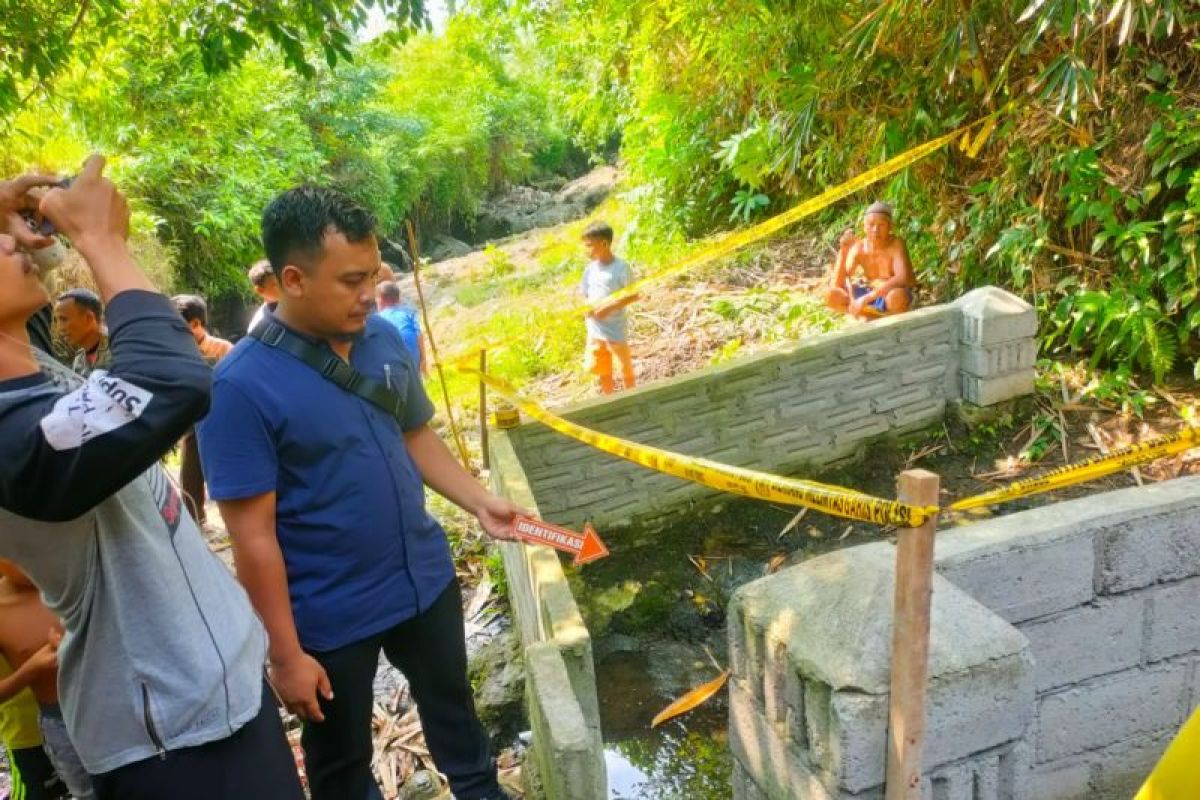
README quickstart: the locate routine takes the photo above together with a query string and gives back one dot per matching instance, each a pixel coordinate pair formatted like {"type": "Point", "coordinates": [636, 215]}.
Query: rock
{"type": "Point", "coordinates": [443, 247]}
{"type": "Point", "coordinates": [616, 643]}
{"type": "Point", "coordinates": [589, 191]}
{"type": "Point", "coordinates": [685, 624]}
{"type": "Point", "coordinates": [421, 785]}
{"type": "Point", "coordinates": [498, 673]}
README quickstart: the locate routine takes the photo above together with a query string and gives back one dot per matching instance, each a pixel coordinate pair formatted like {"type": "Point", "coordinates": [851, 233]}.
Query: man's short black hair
{"type": "Point", "coordinates": [191, 307]}
{"type": "Point", "coordinates": [85, 298]}
{"type": "Point", "coordinates": [389, 291]}
{"type": "Point", "coordinates": [599, 230]}
{"type": "Point", "coordinates": [259, 272]}
{"type": "Point", "coordinates": [295, 223]}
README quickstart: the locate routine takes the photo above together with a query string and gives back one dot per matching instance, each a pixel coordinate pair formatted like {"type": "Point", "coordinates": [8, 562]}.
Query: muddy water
{"type": "Point", "coordinates": [656, 611]}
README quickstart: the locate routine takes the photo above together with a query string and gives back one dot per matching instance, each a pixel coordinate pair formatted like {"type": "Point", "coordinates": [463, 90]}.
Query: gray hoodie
{"type": "Point", "coordinates": [162, 649]}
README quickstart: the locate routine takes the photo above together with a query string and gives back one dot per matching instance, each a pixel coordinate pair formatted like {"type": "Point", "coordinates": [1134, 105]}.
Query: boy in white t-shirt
{"type": "Point", "coordinates": [607, 325]}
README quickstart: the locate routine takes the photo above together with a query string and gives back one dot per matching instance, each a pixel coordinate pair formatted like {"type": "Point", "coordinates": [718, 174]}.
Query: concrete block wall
{"type": "Point", "coordinates": [560, 684]}
{"type": "Point", "coordinates": [811, 403]}
{"type": "Point", "coordinates": [1106, 589]}
{"type": "Point", "coordinates": [810, 657]}
{"type": "Point", "coordinates": [1064, 656]}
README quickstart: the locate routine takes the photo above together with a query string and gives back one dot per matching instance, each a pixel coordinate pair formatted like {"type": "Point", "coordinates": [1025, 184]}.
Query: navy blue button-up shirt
{"type": "Point", "coordinates": [361, 551]}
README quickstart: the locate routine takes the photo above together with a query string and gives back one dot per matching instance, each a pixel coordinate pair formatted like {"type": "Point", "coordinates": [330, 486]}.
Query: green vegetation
{"type": "Point", "coordinates": [1084, 197]}
{"type": "Point", "coordinates": [202, 141]}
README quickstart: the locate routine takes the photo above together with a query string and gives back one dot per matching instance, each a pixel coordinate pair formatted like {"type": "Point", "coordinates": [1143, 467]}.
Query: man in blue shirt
{"type": "Point", "coordinates": [339, 556]}
{"type": "Point", "coordinates": [403, 318]}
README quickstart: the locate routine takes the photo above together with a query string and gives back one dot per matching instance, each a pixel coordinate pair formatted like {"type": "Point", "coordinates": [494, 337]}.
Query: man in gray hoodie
{"type": "Point", "coordinates": [161, 667]}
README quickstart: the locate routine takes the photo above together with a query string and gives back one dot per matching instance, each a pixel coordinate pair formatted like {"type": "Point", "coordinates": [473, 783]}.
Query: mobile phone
{"type": "Point", "coordinates": [45, 227]}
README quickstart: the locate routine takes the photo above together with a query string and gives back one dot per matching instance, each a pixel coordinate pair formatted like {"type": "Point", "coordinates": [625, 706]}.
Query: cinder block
{"type": "Point", "coordinates": [847, 414]}
{"type": "Point", "coordinates": [903, 397]}
{"type": "Point", "coordinates": [896, 360]}
{"type": "Point", "coordinates": [915, 416]}
{"type": "Point", "coordinates": [1068, 779]}
{"type": "Point", "coordinates": [1149, 550]}
{"type": "Point", "coordinates": [744, 787]}
{"type": "Point", "coordinates": [933, 373]}
{"type": "Point", "coordinates": [1122, 768]}
{"type": "Point", "coordinates": [938, 350]}
{"type": "Point", "coordinates": [835, 377]}
{"type": "Point", "coordinates": [992, 390]}
{"type": "Point", "coordinates": [869, 388]}
{"type": "Point", "coordinates": [1026, 578]}
{"type": "Point", "coordinates": [783, 694]}
{"type": "Point", "coordinates": [934, 322]}
{"type": "Point", "coordinates": [987, 705]}
{"type": "Point", "coordinates": [773, 394]}
{"type": "Point", "coordinates": [1085, 642]}
{"type": "Point", "coordinates": [802, 408]}
{"type": "Point", "coordinates": [991, 315]}
{"type": "Point", "coordinates": [1107, 710]}
{"type": "Point", "coordinates": [999, 359]}
{"type": "Point", "coordinates": [1174, 620]}
{"type": "Point", "coordinates": [861, 430]}
{"type": "Point", "coordinates": [858, 739]}
{"type": "Point", "coordinates": [866, 343]}
{"type": "Point", "coordinates": [779, 771]}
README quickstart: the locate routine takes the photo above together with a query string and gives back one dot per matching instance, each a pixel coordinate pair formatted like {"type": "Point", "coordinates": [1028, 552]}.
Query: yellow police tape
{"type": "Point", "coordinates": [830, 499]}
{"type": "Point", "coordinates": [755, 233]}
{"type": "Point", "coordinates": [836, 500]}
{"type": "Point", "coordinates": [1176, 776]}
{"type": "Point", "coordinates": [1088, 470]}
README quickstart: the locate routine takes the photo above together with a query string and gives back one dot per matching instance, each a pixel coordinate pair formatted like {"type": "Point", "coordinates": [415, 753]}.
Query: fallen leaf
{"type": "Point", "coordinates": [815, 532]}
{"type": "Point", "coordinates": [690, 700]}
{"type": "Point", "coordinates": [775, 563]}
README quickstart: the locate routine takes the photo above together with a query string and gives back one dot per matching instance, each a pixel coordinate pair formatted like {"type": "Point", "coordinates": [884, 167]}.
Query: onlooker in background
{"type": "Point", "coordinates": [266, 286]}
{"type": "Point", "coordinates": [212, 349]}
{"type": "Point", "coordinates": [80, 316]}
{"type": "Point", "coordinates": [194, 311]}
{"type": "Point", "coordinates": [32, 775]}
{"type": "Point", "coordinates": [403, 317]}
{"type": "Point", "coordinates": [31, 634]}
{"type": "Point", "coordinates": [160, 676]}
{"type": "Point", "coordinates": [607, 326]}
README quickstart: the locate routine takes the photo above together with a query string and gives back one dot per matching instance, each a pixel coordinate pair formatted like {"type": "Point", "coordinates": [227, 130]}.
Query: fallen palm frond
{"type": "Point", "coordinates": [691, 700]}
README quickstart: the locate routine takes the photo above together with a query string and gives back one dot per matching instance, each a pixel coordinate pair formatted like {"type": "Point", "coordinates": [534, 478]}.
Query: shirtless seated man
{"type": "Point", "coordinates": [873, 275]}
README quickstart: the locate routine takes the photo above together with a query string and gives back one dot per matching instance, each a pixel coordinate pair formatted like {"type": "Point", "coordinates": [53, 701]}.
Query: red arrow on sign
{"type": "Point", "coordinates": [586, 546]}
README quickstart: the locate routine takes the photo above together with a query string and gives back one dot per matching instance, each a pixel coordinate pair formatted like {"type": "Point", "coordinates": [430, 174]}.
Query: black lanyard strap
{"type": "Point", "coordinates": [332, 368]}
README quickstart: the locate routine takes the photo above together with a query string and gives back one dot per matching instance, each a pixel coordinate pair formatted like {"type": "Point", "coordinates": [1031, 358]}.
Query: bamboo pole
{"type": "Point", "coordinates": [910, 640]}
{"type": "Point", "coordinates": [437, 362]}
{"type": "Point", "coordinates": [483, 412]}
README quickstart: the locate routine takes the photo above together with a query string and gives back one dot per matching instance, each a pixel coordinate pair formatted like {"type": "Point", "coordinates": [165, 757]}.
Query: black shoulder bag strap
{"type": "Point", "coordinates": [330, 367]}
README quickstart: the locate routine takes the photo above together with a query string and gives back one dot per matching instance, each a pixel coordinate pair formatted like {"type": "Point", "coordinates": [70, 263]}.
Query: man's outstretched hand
{"type": "Point", "coordinates": [496, 516]}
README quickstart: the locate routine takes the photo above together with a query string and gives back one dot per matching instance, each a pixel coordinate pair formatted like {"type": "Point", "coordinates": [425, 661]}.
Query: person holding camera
{"type": "Point", "coordinates": [161, 681]}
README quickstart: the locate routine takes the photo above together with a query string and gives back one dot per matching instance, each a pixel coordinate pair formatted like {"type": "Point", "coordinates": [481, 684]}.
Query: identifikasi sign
{"type": "Point", "coordinates": [584, 546]}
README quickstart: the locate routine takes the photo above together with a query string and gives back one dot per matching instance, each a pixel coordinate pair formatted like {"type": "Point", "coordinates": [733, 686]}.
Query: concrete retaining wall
{"type": "Point", "coordinates": [812, 403]}
{"type": "Point", "coordinates": [1065, 654]}
{"type": "Point", "coordinates": [560, 685]}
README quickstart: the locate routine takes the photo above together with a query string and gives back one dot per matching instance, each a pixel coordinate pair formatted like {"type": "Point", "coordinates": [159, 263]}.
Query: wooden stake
{"type": "Point", "coordinates": [910, 640]}
{"type": "Point", "coordinates": [483, 412]}
{"type": "Point", "coordinates": [437, 362]}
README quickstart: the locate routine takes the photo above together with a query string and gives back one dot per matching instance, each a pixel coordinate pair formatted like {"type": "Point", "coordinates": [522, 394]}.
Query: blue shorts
{"type": "Point", "coordinates": [879, 303]}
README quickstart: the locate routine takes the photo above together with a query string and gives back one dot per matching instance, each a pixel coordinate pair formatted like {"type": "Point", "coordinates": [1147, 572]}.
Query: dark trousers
{"type": "Point", "coordinates": [33, 776]}
{"type": "Point", "coordinates": [191, 476]}
{"type": "Point", "coordinates": [430, 649]}
{"type": "Point", "coordinates": [255, 763]}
